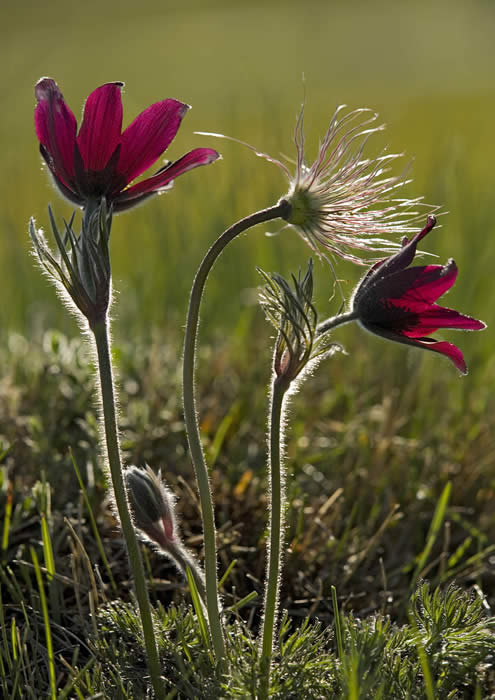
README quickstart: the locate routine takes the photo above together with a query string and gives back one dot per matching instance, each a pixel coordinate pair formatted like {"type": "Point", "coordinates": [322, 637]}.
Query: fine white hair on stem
{"type": "Point", "coordinates": [281, 428]}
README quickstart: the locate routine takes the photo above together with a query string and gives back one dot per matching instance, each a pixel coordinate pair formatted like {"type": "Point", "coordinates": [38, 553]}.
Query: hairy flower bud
{"type": "Point", "coordinates": [152, 505]}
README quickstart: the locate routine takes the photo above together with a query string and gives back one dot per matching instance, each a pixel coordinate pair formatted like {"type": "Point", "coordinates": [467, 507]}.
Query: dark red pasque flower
{"type": "Point", "coordinates": [101, 160]}
{"type": "Point", "coordinates": [398, 302]}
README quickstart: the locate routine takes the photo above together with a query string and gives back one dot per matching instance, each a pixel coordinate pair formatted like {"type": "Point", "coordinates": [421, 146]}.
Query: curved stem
{"type": "Point", "coordinates": [272, 586]}
{"type": "Point", "coordinates": [101, 335]}
{"type": "Point", "coordinates": [190, 417]}
{"type": "Point", "coordinates": [335, 321]}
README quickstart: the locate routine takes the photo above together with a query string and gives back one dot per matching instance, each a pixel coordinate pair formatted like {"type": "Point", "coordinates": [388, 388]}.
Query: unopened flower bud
{"type": "Point", "coordinates": [152, 505]}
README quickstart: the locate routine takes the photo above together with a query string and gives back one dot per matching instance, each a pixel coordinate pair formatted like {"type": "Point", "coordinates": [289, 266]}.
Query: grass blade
{"type": "Point", "coordinates": [46, 620]}
{"type": "Point", "coordinates": [436, 524]}
{"type": "Point", "coordinates": [338, 626]}
{"type": "Point", "coordinates": [198, 608]}
{"type": "Point", "coordinates": [94, 526]}
{"type": "Point", "coordinates": [47, 549]}
{"type": "Point", "coordinates": [227, 573]}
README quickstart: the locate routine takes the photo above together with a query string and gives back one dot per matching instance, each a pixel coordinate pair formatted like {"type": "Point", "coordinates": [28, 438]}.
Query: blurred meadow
{"type": "Point", "coordinates": [383, 431]}
{"type": "Point", "coordinates": [427, 68]}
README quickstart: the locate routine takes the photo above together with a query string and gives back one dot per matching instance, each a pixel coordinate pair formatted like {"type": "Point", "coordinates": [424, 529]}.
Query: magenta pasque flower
{"type": "Point", "coordinates": [100, 160]}
{"type": "Point", "coordinates": [398, 302]}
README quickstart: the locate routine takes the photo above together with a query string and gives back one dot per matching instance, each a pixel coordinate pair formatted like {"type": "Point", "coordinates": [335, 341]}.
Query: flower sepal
{"type": "Point", "coordinates": [81, 270]}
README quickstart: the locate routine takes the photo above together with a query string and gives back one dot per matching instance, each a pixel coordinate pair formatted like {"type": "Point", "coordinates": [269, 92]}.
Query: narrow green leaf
{"type": "Point", "coordinates": [46, 620]}
{"type": "Point", "coordinates": [221, 433]}
{"type": "Point", "coordinates": [94, 526]}
{"type": "Point", "coordinates": [13, 637]}
{"type": "Point", "coordinates": [47, 549]}
{"type": "Point", "coordinates": [227, 573]}
{"type": "Point", "coordinates": [7, 519]}
{"type": "Point", "coordinates": [3, 630]}
{"type": "Point", "coordinates": [436, 524]}
{"type": "Point", "coordinates": [338, 626]}
{"type": "Point", "coordinates": [425, 667]}
{"type": "Point", "coordinates": [198, 608]}
{"type": "Point", "coordinates": [242, 602]}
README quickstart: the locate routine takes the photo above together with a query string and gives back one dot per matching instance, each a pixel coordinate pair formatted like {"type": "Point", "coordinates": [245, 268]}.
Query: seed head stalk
{"type": "Point", "coordinates": [101, 334]}
{"type": "Point", "coordinates": [190, 415]}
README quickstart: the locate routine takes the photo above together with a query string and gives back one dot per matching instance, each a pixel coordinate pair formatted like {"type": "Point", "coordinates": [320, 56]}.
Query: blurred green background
{"type": "Point", "coordinates": [426, 67]}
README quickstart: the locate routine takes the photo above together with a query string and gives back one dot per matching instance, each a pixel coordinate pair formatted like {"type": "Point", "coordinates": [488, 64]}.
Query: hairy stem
{"type": "Point", "coordinates": [335, 321]}
{"type": "Point", "coordinates": [190, 416]}
{"type": "Point", "coordinates": [276, 528]}
{"type": "Point", "coordinates": [184, 559]}
{"type": "Point", "coordinates": [101, 335]}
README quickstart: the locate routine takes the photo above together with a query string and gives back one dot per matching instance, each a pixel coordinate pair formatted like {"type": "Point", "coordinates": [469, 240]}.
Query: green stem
{"type": "Point", "coordinates": [276, 527]}
{"type": "Point", "coordinates": [101, 334]}
{"type": "Point", "coordinates": [335, 321]}
{"type": "Point", "coordinates": [190, 415]}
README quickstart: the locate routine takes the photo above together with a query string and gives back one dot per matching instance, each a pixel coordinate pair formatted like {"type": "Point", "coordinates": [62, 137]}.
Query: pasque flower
{"type": "Point", "coordinates": [344, 201]}
{"type": "Point", "coordinates": [101, 160]}
{"type": "Point", "coordinates": [398, 302]}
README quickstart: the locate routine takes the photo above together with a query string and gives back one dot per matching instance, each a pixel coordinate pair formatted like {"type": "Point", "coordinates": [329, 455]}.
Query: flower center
{"type": "Point", "coordinates": [305, 208]}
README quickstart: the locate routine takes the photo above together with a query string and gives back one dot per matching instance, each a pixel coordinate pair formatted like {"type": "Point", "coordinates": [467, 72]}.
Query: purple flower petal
{"type": "Point", "coordinates": [415, 288]}
{"type": "Point", "coordinates": [406, 254]}
{"type": "Point", "coordinates": [442, 347]}
{"type": "Point", "coordinates": [65, 191]}
{"type": "Point", "coordinates": [440, 317]}
{"type": "Point", "coordinates": [102, 162]}
{"type": "Point", "coordinates": [431, 282]}
{"type": "Point", "coordinates": [379, 273]}
{"type": "Point", "coordinates": [101, 127]}
{"type": "Point", "coordinates": [56, 128]}
{"type": "Point", "coordinates": [397, 302]}
{"type": "Point", "coordinates": [448, 349]}
{"type": "Point", "coordinates": [193, 159]}
{"type": "Point", "coordinates": [149, 135]}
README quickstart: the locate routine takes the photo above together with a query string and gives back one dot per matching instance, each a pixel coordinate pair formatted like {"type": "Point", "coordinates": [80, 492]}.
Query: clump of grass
{"type": "Point", "coordinates": [352, 518]}
{"type": "Point", "coordinates": [378, 659]}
